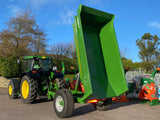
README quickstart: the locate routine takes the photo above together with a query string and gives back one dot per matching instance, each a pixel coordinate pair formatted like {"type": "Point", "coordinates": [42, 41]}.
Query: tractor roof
{"type": "Point", "coordinates": [41, 57]}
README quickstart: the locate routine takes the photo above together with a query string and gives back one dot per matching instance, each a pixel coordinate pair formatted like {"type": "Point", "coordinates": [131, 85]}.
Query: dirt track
{"type": "Point", "coordinates": [14, 109]}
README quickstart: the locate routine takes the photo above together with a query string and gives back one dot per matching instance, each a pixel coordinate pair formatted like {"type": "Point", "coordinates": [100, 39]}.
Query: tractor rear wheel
{"type": "Point", "coordinates": [103, 105]}
{"type": "Point", "coordinates": [13, 88]}
{"type": "Point", "coordinates": [28, 90]}
{"type": "Point", "coordinates": [60, 82]}
{"type": "Point", "coordinates": [63, 103]}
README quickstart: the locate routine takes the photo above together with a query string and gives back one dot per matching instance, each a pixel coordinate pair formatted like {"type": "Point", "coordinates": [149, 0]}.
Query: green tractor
{"type": "Point", "coordinates": [101, 75]}
{"type": "Point", "coordinates": [37, 78]}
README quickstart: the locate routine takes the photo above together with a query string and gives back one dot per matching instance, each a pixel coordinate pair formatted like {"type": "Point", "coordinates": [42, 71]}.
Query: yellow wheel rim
{"type": "Point", "coordinates": [10, 89]}
{"type": "Point", "coordinates": [25, 89]}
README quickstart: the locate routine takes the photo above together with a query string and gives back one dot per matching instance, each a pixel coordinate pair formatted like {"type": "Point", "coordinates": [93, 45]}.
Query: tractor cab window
{"type": "Point", "coordinates": [27, 65]}
{"type": "Point", "coordinates": [45, 64]}
{"type": "Point", "coordinates": [37, 63]}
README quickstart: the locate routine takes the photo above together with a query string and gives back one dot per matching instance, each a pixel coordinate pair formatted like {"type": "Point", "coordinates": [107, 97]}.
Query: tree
{"type": "Point", "coordinates": [127, 63]}
{"type": "Point", "coordinates": [137, 65]}
{"type": "Point", "coordinates": [22, 36]}
{"type": "Point", "coordinates": [39, 42]}
{"type": "Point", "coordinates": [62, 50]}
{"type": "Point", "coordinates": [73, 50]}
{"type": "Point", "coordinates": [156, 61]}
{"type": "Point", "coordinates": [148, 45]}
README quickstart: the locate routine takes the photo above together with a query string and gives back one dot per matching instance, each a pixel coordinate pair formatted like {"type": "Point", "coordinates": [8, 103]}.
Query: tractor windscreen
{"type": "Point", "coordinates": [45, 64]}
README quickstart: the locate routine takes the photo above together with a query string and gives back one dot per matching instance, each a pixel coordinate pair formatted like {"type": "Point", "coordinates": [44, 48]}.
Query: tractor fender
{"type": "Point", "coordinates": [31, 75]}
{"type": "Point", "coordinates": [58, 75]}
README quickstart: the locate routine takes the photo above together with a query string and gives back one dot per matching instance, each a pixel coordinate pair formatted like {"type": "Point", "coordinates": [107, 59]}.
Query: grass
{"type": "Point", "coordinates": [70, 76]}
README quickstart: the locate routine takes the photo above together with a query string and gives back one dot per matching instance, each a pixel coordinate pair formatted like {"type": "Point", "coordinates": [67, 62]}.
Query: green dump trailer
{"type": "Point", "coordinates": [100, 67]}
{"type": "Point", "coordinates": [101, 75]}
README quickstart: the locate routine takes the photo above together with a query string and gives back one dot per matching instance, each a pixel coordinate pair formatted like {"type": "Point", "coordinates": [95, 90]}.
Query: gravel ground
{"type": "Point", "coordinates": [14, 109]}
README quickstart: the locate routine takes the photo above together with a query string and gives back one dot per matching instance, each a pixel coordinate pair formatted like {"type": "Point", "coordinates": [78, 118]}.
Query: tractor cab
{"type": "Point", "coordinates": [40, 63]}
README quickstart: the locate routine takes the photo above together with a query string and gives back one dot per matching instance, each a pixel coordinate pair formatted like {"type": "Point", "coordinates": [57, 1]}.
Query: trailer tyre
{"type": "Point", "coordinates": [29, 89]}
{"type": "Point", "coordinates": [13, 88]}
{"type": "Point", "coordinates": [63, 103]}
{"type": "Point", "coordinates": [104, 105]}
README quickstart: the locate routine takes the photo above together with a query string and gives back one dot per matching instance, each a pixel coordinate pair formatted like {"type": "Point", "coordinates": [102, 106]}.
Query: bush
{"type": "Point", "coordinates": [69, 62]}
{"type": "Point", "coordinates": [9, 67]}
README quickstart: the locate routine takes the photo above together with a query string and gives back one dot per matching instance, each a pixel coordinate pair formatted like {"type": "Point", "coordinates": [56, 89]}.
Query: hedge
{"type": "Point", "coordinates": [9, 67]}
{"type": "Point", "coordinates": [67, 63]}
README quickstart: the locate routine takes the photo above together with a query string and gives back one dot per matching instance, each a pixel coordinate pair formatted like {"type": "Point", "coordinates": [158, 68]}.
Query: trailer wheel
{"type": "Point", "coordinates": [28, 90]}
{"type": "Point", "coordinates": [63, 103]}
{"type": "Point", "coordinates": [13, 88]}
{"type": "Point", "coordinates": [104, 105]}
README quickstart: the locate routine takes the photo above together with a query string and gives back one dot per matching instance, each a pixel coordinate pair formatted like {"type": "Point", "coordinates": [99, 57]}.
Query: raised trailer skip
{"type": "Point", "coordinates": [99, 60]}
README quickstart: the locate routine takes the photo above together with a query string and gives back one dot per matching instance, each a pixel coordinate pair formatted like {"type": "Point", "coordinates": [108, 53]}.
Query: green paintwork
{"type": "Point", "coordinates": [61, 103]}
{"type": "Point", "coordinates": [152, 103]}
{"type": "Point", "coordinates": [144, 101]}
{"type": "Point", "coordinates": [51, 76]}
{"type": "Point", "coordinates": [153, 74]}
{"type": "Point", "coordinates": [41, 57]}
{"type": "Point", "coordinates": [155, 102]}
{"type": "Point", "coordinates": [67, 79]}
{"type": "Point", "coordinates": [63, 68]}
{"type": "Point", "coordinates": [52, 90]}
{"type": "Point", "coordinates": [145, 81]}
{"type": "Point", "coordinates": [149, 80]}
{"type": "Point", "coordinates": [100, 66]}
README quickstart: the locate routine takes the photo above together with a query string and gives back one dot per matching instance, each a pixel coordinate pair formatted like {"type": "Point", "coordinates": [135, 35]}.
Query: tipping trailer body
{"type": "Point", "coordinates": [100, 67]}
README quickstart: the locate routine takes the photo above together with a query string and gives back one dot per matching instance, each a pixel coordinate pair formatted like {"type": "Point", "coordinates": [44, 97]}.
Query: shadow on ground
{"type": "Point", "coordinates": [122, 104]}
{"type": "Point", "coordinates": [83, 110]}
{"type": "Point", "coordinates": [42, 99]}
{"type": "Point", "coordinates": [89, 108]}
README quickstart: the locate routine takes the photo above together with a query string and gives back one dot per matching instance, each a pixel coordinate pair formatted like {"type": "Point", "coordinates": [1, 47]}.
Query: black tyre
{"type": "Point", "coordinates": [63, 103]}
{"type": "Point", "coordinates": [103, 105]}
{"type": "Point", "coordinates": [13, 88]}
{"type": "Point", "coordinates": [29, 88]}
{"type": "Point", "coordinates": [60, 82]}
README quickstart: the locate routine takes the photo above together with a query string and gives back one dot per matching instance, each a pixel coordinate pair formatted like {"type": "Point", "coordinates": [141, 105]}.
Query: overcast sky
{"type": "Point", "coordinates": [133, 18]}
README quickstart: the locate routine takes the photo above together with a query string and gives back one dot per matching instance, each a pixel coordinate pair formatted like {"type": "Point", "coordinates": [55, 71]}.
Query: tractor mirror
{"type": "Point", "coordinates": [54, 68]}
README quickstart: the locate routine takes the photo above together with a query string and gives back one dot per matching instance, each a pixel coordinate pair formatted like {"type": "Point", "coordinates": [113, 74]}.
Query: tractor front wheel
{"type": "Point", "coordinates": [28, 90]}
{"type": "Point", "coordinates": [103, 105]}
{"type": "Point", "coordinates": [13, 88]}
{"type": "Point", "coordinates": [63, 103]}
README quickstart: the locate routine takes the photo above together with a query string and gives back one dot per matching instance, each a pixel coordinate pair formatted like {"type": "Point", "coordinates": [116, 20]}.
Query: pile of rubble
{"type": "Point", "coordinates": [4, 82]}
